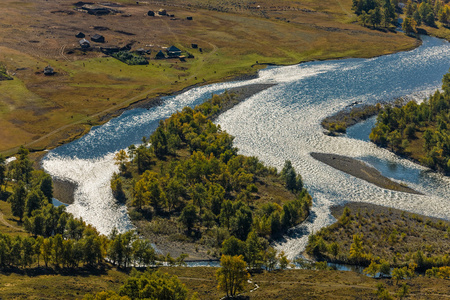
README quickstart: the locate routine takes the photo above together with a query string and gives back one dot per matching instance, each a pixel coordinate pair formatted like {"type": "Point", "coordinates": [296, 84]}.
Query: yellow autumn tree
{"type": "Point", "coordinates": [232, 274]}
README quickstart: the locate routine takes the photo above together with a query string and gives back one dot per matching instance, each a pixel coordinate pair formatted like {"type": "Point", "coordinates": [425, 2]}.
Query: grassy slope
{"type": "Point", "coordinates": [389, 233]}
{"type": "Point", "coordinates": [44, 111]}
{"type": "Point", "coordinates": [288, 284]}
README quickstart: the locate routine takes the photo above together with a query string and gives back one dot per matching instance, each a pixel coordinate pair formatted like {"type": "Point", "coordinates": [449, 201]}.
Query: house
{"type": "Point", "coordinates": [80, 35]}
{"type": "Point", "coordinates": [194, 46]}
{"type": "Point", "coordinates": [151, 13]}
{"type": "Point", "coordinates": [48, 70]}
{"type": "Point", "coordinates": [98, 38]}
{"type": "Point", "coordinates": [84, 43]}
{"type": "Point", "coordinates": [189, 18]}
{"type": "Point", "coordinates": [173, 51]}
{"type": "Point", "coordinates": [160, 55]}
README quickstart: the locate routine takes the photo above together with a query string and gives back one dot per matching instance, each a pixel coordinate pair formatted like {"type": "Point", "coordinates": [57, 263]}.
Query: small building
{"type": "Point", "coordinates": [80, 35]}
{"type": "Point", "coordinates": [84, 43]}
{"type": "Point", "coordinates": [162, 12]}
{"type": "Point", "coordinates": [173, 51]}
{"type": "Point", "coordinates": [189, 18]}
{"type": "Point", "coordinates": [98, 38]}
{"type": "Point", "coordinates": [194, 46]}
{"type": "Point", "coordinates": [151, 13]}
{"type": "Point", "coordinates": [160, 55]}
{"type": "Point", "coordinates": [48, 70]}
{"type": "Point", "coordinates": [141, 51]}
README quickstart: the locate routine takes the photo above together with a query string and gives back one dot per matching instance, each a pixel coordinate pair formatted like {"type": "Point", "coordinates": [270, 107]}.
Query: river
{"type": "Point", "coordinates": [279, 123]}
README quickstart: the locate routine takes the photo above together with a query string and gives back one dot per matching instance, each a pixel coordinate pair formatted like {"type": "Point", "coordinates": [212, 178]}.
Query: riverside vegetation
{"type": "Point", "coordinates": [373, 234]}
{"type": "Point", "coordinates": [419, 131]}
{"type": "Point", "coordinates": [192, 183]}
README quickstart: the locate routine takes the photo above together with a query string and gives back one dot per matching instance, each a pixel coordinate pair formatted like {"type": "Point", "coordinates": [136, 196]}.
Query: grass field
{"type": "Point", "coordinates": [287, 284]}
{"type": "Point", "coordinates": [43, 111]}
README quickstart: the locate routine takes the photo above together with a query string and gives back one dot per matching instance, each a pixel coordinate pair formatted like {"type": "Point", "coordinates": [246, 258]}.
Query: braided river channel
{"type": "Point", "coordinates": [280, 123]}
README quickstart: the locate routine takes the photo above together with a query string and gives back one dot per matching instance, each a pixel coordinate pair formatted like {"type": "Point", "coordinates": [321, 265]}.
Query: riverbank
{"type": "Point", "coordinates": [385, 233]}
{"type": "Point", "coordinates": [362, 171]}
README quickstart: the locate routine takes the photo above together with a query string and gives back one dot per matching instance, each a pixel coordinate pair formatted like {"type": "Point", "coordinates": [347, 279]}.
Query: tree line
{"type": "Point", "coordinates": [425, 12]}
{"type": "Point", "coordinates": [56, 237]}
{"type": "Point", "coordinates": [376, 12]}
{"type": "Point", "coordinates": [421, 131]}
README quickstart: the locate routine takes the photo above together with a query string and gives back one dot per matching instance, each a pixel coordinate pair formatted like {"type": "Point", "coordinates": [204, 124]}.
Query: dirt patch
{"type": "Point", "coordinates": [362, 171]}
{"type": "Point", "coordinates": [63, 190]}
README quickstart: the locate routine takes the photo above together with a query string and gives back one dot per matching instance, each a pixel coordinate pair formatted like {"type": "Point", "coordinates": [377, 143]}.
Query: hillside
{"type": "Point", "coordinates": [89, 87]}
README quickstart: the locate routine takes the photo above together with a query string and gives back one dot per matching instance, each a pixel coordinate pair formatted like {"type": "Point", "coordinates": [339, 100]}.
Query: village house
{"type": "Point", "coordinates": [49, 70]}
{"type": "Point", "coordinates": [98, 38]}
{"type": "Point", "coordinates": [84, 43]}
{"type": "Point", "coordinates": [173, 51]}
{"type": "Point", "coordinates": [160, 55]}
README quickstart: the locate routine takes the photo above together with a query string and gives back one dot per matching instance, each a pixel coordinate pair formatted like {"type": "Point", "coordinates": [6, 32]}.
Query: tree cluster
{"type": "Point", "coordinates": [204, 183]}
{"type": "Point", "coordinates": [375, 12]}
{"type": "Point", "coordinates": [58, 238]}
{"type": "Point", "coordinates": [130, 58]}
{"type": "Point", "coordinates": [422, 131]}
{"type": "Point", "coordinates": [31, 189]}
{"type": "Point", "coordinates": [146, 285]}
{"type": "Point", "coordinates": [408, 243]}
{"type": "Point", "coordinates": [425, 11]}
{"type": "Point", "coordinates": [255, 251]}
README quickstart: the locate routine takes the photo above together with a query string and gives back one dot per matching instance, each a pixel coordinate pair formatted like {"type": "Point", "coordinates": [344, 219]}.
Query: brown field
{"type": "Point", "coordinates": [44, 111]}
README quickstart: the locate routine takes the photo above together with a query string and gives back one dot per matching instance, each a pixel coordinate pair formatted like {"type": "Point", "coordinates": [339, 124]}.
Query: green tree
{"type": "Point", "coordinates": [372, 269]}
{"type": "Point", "coordinates": [398, 274]}
{"type": "Point", "coordinates": [27, 251]}
{"type": "Point", "coordinates": [46, 251]}
{"type": "Point", "coordinates": [188, 216]}
{"type": "Point", "coordinates": [334, 249]}
{"type": "Point", "coordinates": [46, 186]}
{"type": "Point", "coordinates": [403, 291]}
{"type": "Point", "coordinates": [21, 168]}
{"type": "Point", "coordinates": [357, 249]}
{"type": "Point", "coordinates": [254, 251]}
{"type": "Point", "coordinates": [241, 222]}
{"type": "Point", "coordinates": [153, 285]}
{"type": "Point", "coordinates": [33, 201]}
{"type": "Point", "coordinates": [283, 260]}
{"type": "Point", "coordinates": [2, 173]}
{"type": "Point", "coordinates": [233, 246]}
{"type": "Point", "coordinates": [409, 26]}
{"type": "Point", "coordinates": [232, 275]}
{"type": "Point", "coordinates": [17, 200]}
{"type": "Point", "coordinates": [270, 259]}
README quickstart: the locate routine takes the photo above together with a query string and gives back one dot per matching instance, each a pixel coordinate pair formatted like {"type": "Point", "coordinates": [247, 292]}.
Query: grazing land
{"type": "Point", "coordinates": [89, 87]}
{"type": "Point", "coordinates": [287, 284]}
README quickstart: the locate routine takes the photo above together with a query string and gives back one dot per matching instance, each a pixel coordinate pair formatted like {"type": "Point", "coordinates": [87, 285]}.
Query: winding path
{"type": "Point", "coordinates": [2, 220]}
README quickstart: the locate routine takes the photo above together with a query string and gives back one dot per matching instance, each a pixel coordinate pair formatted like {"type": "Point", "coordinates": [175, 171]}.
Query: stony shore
{"type": "Point", "coordinates": [362, 171]}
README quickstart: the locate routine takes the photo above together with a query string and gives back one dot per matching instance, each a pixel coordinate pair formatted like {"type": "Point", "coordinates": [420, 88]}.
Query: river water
{"type": "Point", "coordinates": [280, 123]}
